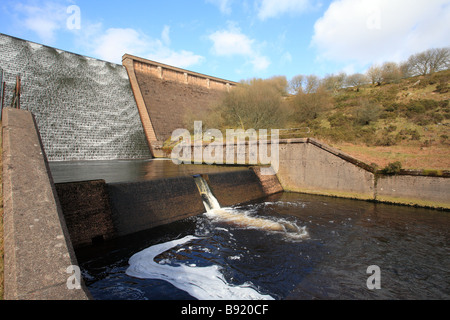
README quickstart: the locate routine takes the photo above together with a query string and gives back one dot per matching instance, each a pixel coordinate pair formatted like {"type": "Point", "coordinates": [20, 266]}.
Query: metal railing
{"type": "Point", "coordinates": [15, 102]}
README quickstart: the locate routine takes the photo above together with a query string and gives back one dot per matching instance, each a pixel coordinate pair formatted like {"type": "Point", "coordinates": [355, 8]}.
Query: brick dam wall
{"type": "Point", "coordinates": [84, 108]}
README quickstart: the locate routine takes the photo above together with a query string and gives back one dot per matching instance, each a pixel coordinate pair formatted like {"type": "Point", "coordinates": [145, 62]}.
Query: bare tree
{"type": "Point", "coordinates": [375, 74]}
{"type": "Point", "coordinates": [312, 84]}
{"type": "Point", "coordinates": [440, 59]}
{"type": "Point", "coordinates": [334, 82]}
{"type": "Point", "coordinates": [296, 83]}
{"type": "Point", "coordinates": [357, 80]}
{"type": "Point", "coordinates": [406, 70]}
{"type": "Point", "coordinates": [390, 72]}
{"type": "Point", "coordinates": [308, 106]}
{"type": "Point", "coordinates": [280, 83]}
{"type": "Point", "coordinates": [429, 61]}
{"type": "Point", "coordinates": [255, 103]}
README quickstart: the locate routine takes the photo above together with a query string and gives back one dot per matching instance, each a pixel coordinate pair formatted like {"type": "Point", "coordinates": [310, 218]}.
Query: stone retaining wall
{"type": "Point", "coordinates": [308, 166]}
{"type": "Point", "coordinates": [37, 245]}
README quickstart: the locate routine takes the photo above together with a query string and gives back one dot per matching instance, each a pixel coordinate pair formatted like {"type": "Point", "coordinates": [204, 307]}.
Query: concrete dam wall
{"type": "Point", "coordinates": [167, 95]}
{"type": "Point", "coordinates": [84, 108]}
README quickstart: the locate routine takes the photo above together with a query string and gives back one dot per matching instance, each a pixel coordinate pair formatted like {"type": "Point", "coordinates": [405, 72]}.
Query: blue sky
{"type": "Point", "coordinates": [237, 39]}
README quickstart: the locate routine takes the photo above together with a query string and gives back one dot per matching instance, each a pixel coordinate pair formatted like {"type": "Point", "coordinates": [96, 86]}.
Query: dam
{"type": "Point", "coordinates": [84, 107]}
{"type": "Point", "coordinates": [87, 183]}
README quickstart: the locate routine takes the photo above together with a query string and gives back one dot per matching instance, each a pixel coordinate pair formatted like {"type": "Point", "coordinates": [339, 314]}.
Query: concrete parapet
{"type": "Point", "coordinates": [37, 245]}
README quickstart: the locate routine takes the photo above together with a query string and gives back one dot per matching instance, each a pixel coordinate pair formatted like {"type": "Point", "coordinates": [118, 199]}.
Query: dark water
{"type": "Point", "coordinates": [128, 170]}
{"type": "Point", "coordinates": [345, 237]}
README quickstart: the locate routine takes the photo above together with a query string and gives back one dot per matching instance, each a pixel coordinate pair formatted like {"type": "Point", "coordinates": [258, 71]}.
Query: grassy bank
{"type": "Point", "coordinates": [407, 121]}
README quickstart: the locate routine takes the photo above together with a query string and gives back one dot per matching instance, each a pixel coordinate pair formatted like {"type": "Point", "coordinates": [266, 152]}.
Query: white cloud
{"type": "Point", "coordinates": [48, 19]}
{"type": "Point", "coordinates": [275, 8]}
{"type": "Point", "coordinates": [165, 35]}
{"type": "Point", "coordinates": [45, 19]}
{"type": "Point", "coordinates": [232, 42]}
{"type": "Point", "coordinates": [372, 31]}
{"type": "Point", "coordinates": [224, 5]}
{"type": "Point", "coordinates": [260, 63]}
{"type": "Point", "coordinates": [112, 44]}
{"type": "Point", "coordinates": [286, 58]}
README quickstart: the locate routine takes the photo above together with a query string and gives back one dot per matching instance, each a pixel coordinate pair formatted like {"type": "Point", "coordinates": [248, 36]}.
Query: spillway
{"type": "Point", "coordinates": [84, 107]}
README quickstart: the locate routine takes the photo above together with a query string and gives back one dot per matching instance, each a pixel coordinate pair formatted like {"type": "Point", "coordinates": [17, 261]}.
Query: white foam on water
{"type": "Point", "coordinates": [243, 219]}
{"type": "Point", "coordinates": [203, 283]}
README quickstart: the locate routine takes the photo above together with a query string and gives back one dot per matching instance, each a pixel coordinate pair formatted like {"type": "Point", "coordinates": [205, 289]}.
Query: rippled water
{"type": "Point", "coordinates": [344, 238]}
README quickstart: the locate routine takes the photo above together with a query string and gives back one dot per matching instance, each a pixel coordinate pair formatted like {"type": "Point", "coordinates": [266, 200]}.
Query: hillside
{"type": "Point", "coordinates": [407, 121]}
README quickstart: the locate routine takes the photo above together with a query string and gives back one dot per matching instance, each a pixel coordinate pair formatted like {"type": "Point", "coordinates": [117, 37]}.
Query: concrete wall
{"type": "Point", "coordinates": [308, 166]}
{"type": "Point", "coordinates": [144, 205]}
{"type": "Point", "coordinates": [232, 188]}
{"type": "Point", "coordinates": [37, 246]}
{"type": "Point", "coordinates": [414, 190]}
{"type": "Point", "coordinates": [87, 211]}
{"type": "Point", "coordinates": [96, 211]}
{"type": "Point", "coordinates": [170, 95]}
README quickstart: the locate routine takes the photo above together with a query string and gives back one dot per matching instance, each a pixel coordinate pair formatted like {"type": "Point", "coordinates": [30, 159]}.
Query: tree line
{"type": "Point", "coordinates": [275, 102]}
{"type": "Point", "coordinates": [420, 64]}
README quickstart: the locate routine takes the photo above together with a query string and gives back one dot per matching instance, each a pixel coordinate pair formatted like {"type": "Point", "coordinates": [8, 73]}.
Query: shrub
{"type": "Point", "coordinates": [386, 141]}
{"type": "Point", "coordinates": [411, 134]}
{"type": "Point", "coordinates": [390, 128]}
{"type": "Point", "coordinates": [437, 117]}
{"type": "Point", "coordinates": [308, 106]}
{"type": "Point", "coordinates": [415, 107]}
{"type": "Point", "coordinates": [392, 168]}
{"type": "Point", "coordinates": [442, 88]}
{"type": "Point", "coordinates": [369, 112]}
{"type": "Point", "coordinates": [256, 104]}
{"type": "Point", "coordinates": [338, 120]}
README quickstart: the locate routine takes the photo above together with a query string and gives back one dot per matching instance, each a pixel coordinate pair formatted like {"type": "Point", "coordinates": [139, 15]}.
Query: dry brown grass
{"type": "Point", "coordinates": [412, 157]}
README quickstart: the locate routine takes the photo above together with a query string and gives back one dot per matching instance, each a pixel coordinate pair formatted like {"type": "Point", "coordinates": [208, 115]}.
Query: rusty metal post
{"type": "Point", "coordinates": [18, 87]}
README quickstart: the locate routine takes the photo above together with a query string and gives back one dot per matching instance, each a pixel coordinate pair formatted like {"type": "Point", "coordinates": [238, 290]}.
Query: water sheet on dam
{"type": "Point", "coordinates": [84, 107]}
